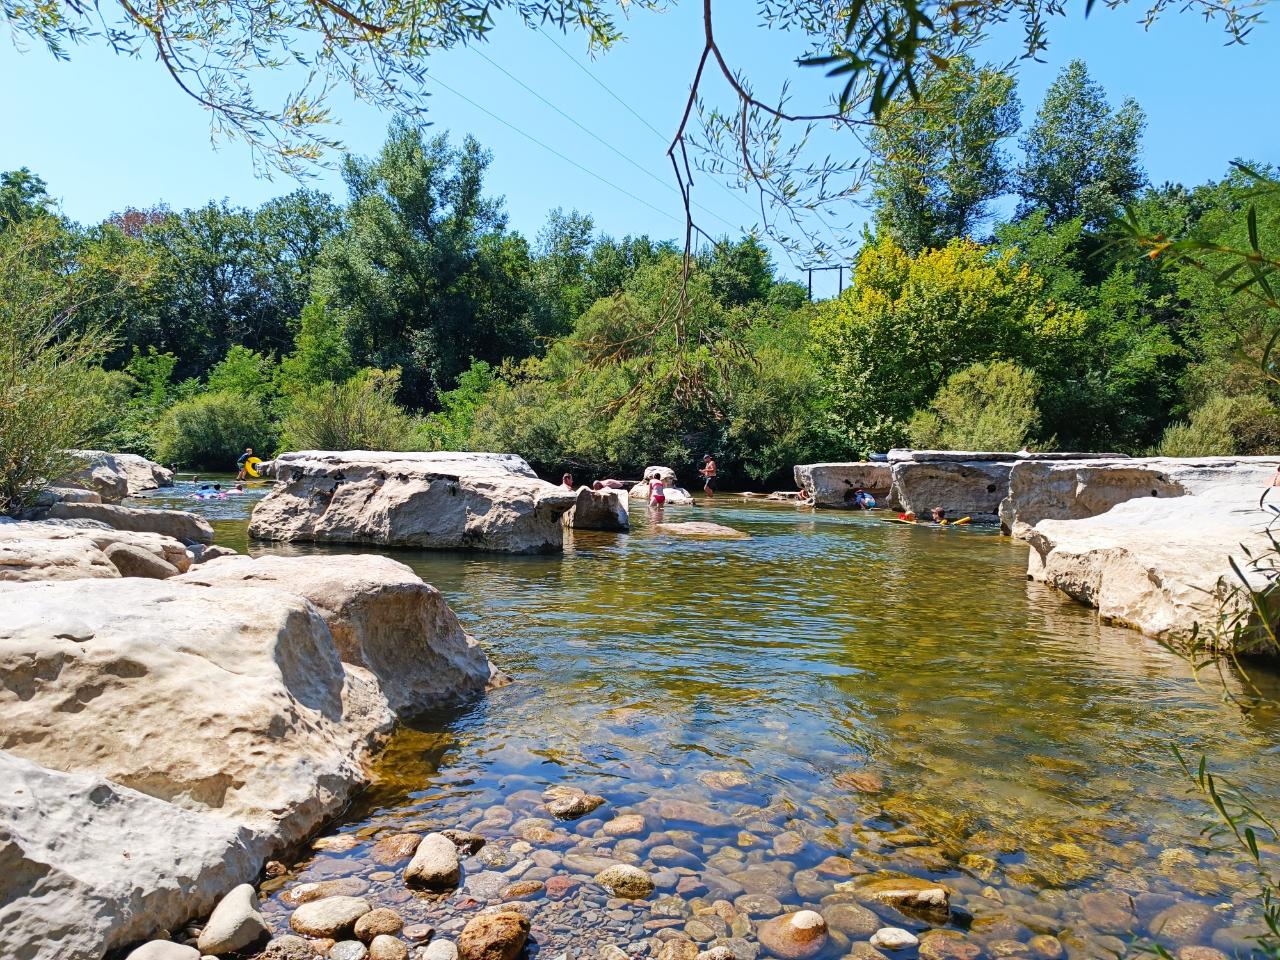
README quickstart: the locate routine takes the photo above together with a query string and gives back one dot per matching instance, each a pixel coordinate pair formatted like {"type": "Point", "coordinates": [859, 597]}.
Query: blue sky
{"type": "Point", "coordinates": [108, 132]}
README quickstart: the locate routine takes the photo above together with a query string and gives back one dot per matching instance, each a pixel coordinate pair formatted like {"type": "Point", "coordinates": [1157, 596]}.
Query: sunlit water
{"type": "Point", "coordinates": [1022, 751]}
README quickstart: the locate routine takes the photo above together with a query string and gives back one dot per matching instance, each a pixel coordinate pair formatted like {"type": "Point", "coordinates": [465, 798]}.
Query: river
{"type": "Point", "coordinates": [834, 697]}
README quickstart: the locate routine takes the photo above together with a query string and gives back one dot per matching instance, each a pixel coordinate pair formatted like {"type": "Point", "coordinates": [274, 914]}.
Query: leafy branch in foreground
{"type": "Point", "coordinates": [218, 51]}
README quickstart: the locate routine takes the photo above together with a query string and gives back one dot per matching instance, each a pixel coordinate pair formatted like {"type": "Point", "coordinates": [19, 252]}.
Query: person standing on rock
{"type": "Point", "coordinates": [708, 472]}
{"type": "Point", "coordinates": [567, 481]}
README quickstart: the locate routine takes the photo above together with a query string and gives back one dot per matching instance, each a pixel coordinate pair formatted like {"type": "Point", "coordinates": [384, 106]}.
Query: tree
{"type": "Point", "coordinates": [360, 414]}
{"type": "Point", "coordinates": [422, 274]}
{"type": "Point", "coordinates": [938, 161]}
{"type": "Point", "coordinates": [988, 406]}
{"type": "Point", "coordinates": [889, 343]}
{"type": "Point", "coordinates": [23, 196]}
{"type": "Point", "coordinates": [50, 400]}
{"type": "Point", "coordinates": [1081, 158]}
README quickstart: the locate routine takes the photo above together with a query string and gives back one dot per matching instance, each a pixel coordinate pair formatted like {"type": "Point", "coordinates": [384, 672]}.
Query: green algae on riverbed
{"type": "Point", "coordinates": [832, 698]}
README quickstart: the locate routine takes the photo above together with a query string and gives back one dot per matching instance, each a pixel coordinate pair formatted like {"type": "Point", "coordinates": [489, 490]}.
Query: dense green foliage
{"type": "Point", "coordinates": [412, 317]}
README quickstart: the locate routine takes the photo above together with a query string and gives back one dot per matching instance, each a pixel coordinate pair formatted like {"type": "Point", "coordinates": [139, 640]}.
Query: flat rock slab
{"type": "Point", "coordinates": [178, 524]}
{"type": "Point", "coordinates": [78, 550]}
{"type": "Point", "coordinates": [435, 501]}
{"type": "Point", "coordinates": [702, 528]}
{"type": "Point", "coordinates": [1153, 563]}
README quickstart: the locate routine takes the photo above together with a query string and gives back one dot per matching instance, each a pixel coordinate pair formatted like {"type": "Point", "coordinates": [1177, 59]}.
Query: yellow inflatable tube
{"type": "Point", "coordinates": [251, 466]}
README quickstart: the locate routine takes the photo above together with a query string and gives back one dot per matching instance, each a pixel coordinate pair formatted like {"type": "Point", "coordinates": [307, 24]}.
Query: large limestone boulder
{"type": "Point", "coordinates": [439, 501]}
{"type": "Point", "coordinates": [972, 488]}
{"type": "Point", "coordinates": [382, 617]}
{"type": "Point", "coordinates": [833, 484]}
{"type": "Point", "coordinates": [599, 510]}
{"type": "Point", "coordinates": [115, 476]}
{"type": "Point", "coordinates": [90, 866]}
{"type": "Point", "coordinates": [1154, 563]}
{"type": "Point", "coordinates": [32, 551]}
{"type": "Point", "coordinates": [1075, 489]}
{"type": "Point", "coordinates": [217, 699]}
{"type": "Point", "coordinates": [178, 524]}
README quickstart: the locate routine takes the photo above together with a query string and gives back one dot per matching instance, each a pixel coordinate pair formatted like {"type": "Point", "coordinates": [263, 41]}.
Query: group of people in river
{"type": "Point", "coordinates": [657, 487]}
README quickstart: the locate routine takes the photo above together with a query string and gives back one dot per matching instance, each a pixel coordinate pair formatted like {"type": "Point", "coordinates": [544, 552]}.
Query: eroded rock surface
{"type": "Point", "coordinates": [178, 524]}
{"type": "Point", "coordinates": [42, 551]}
{"type": "Point", "coordinates": [599, 510]}
{"type": "Point", "coordinates": [833, 484]}
{"type": "Point", "coordinates": [439, 501]}
{"type": "Point", "coordinates": [91, 866]}
{"type": "Point", "coordinates": [382, 617]}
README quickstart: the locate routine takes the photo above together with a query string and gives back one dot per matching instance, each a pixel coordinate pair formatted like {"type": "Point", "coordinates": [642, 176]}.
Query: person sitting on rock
{"type": "Point", "coordinates": [567, 481]}
{"type": "Point", "coordinates": [863, 500]}
{"type": "Point", "coordinates": [609, 484]}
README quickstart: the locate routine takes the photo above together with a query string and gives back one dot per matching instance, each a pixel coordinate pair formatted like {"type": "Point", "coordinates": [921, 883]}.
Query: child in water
{"type": "Point", "coordinates": [657, 493]}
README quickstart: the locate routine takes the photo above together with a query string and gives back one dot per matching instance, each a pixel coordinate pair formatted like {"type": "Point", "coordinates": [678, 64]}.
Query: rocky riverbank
{"type": "Point", "coordinates": [173, 715]}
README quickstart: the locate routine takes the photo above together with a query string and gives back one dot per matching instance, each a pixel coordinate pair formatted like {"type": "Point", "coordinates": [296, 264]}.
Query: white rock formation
{"type": "Point", "coordinates": [665, 474]}
{"type": "Point", "coordinates": [178, 524]}
{"type": "Point", "coordinates": [972, 488]}
{"type": "Point", "coordinates": [222, 701]}
{"type": "Point", "coordinates": [90, 866]}
{"type": "Point", "coordinates": [1076, 489]}
{"type": "Point", "coordinates": [382, 617]}
{"type": "Point", "coordinates": [833, 484]}
{"type": "Point", "coordinates": [599, 510]}
{"type": "Point", "coordinates": [33, 551]}
{"type": "Point", "coordinates": [441, 501]}
{"type": "Point", "coordinates": [1154, 563]}
{"type": "Point", "coordinates": [115, 476]}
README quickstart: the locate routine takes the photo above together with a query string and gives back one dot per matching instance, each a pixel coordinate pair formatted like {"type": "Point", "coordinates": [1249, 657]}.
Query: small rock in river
{"type": "Point", "coordinates": [464, 840]}
{"type": "Point", "coordinates": [289, 947]}
{"type": "Point", "coordinates": [625, 825]}
{"type": "Point", "coordinates": [569, 803]}
{"type": "Point", "coordinates": [329, 917]}
{"type": "Point", "coordinates": [348, 950]}
{"type": "Point", "coordinates": [894, 938]}
{"type": "Point", "coordinates": [341, 887]}
{"type": "Point", "coordinates": [164, 950]}
{"type": "Point", "coordinates": [760, 905]}
{"type": "Point", "coordinates": [234, 924]}
{"type": "Point", "coordinates": [723, 779]}
{"type": "Point", "coordinates": [794, 936]}
{"type": "Point", "coordinates": [418, 932]}
{"type": "Point", "coordinates": [393, 849]}
{"type": "Point", "coordinates": [377, 922]}
{"type": "Point", "coordinates": [522, 890]}
{"type": "Point", "coordinates": [434, 864]}
{"type": "Point", "coordinates": [850, 919]}
{"type": "Point", "coordinates": [1046, 947]}
{"type": "Point", "coordinates": [386, 947]}
{"type": "Point", "coordinates": [1184, 923]}
{"type": "Point", "coordinates": [440, 950]}
{"type": "Point", "coordinates": [627, 881]}
{"type": "Point", "coordinates": [494, 936]}
{"type": "Point", "coordinates": [685, 810]}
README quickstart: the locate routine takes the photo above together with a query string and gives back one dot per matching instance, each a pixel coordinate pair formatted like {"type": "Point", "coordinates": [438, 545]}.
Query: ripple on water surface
{"type": "Point", "coordinates": [832, 698]}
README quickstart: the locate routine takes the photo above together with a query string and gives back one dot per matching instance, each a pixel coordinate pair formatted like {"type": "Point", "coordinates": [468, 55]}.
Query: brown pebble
{"type": "Point", "coordinates": [393, 849]}
{"type": "Point", "coordinates": [378, 922]}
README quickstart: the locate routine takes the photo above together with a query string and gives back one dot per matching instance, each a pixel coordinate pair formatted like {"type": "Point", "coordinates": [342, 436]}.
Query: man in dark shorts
{"type": "Point", "coordinates": [708, 472]}
{"type": "Point", "coordinates": [240, 464]}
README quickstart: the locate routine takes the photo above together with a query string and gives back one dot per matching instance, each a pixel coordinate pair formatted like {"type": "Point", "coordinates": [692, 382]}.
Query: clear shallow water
{"type": "Point", "coordinates": [1014, 748]}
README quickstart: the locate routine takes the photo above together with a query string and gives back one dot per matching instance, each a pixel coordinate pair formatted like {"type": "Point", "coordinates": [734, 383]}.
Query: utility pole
{"type": "Point", "coordinates": [839, 267]}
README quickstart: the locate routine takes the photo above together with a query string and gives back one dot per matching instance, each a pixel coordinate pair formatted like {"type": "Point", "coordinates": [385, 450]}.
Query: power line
{"type": "Point", "coordinates": [665, 184]}
{"type": "Point", "coordinates": [656, 132]}
{"type": "Point", "coordinates": [603, 86]}
{"type": "Point", "coordinates": [553, 150]}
